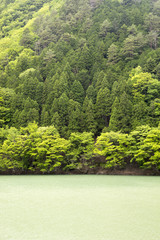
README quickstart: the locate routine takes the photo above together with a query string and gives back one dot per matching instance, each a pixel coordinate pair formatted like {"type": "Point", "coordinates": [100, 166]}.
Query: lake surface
{"type": "Point", "coordinates": [79, 208]}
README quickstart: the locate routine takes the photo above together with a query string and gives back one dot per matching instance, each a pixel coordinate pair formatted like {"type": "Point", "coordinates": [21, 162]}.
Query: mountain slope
{"type": "Point", "coordinates": [74, 64]}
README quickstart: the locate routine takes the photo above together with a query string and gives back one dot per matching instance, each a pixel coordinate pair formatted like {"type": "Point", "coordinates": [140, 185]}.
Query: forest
{"type": "Point", "coordinates": [79, 85]}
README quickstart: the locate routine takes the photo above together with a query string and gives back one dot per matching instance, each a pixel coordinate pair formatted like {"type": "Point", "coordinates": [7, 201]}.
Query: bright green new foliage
{"type": "Point", "coordinates": [148, 153]}
{"type": "Point", "coordinates": [33, 148]}
{"type": "Point", "coordinates": [80, 150]}
{"type": "Point", "coordinates": [113, 146]}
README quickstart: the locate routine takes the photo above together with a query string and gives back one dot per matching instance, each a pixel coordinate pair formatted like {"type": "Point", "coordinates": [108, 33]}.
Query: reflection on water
{"type": "Point", "coordinates": [79, 208]}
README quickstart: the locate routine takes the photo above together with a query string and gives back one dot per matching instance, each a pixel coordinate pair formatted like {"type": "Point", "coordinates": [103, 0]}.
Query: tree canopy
{"type": "Point", "coordinates": [84, 67]}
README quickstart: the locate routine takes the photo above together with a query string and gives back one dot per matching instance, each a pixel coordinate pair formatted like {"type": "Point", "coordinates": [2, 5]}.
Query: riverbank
{"type": "Point", "coordinates": [86, 171]}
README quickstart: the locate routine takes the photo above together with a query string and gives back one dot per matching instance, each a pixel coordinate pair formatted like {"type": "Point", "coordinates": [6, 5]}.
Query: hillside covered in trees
{"type": "Point", "coordinates": [79, 84]}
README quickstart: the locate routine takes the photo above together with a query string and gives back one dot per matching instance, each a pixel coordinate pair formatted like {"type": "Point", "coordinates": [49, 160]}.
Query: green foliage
{"type": "Point", "coordinates": [113, 146]}
{"type": "Point", "coordinates": [77, 92]}
{"type": "Point", "coordinates": [5, 111]}
{"type": "Point", "coordinates": [121, 114]}
{"type": "Point", "coordinates": [74, 114]}
{"type": "Point", "coordinates": [145, 150]}
{"type": "Point", "coordinates": [80, 150]}
{"type": "Point", "coordinates": [11, 151]}
{"type": "Point", "coordinates": [49, 152]}
{"type": "Point", "coordinates": [33, 149]}
{"type": "Point", "coordinates": [80, 50]}
{"type": "Point", "coordinates": [89, 122]}
{"type": "Point", "coordinates": [144, 86]}
{"type": "Point", "coordinates": [81, 66]}
{"type": "Point", "coordinates": [103, 107]}
{"type": "Point", "coordinates": [113, 55]}
{"type": "Point", "coordinates": [41, 149]}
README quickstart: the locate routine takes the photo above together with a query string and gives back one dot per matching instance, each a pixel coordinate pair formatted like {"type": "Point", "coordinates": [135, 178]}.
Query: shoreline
{"type": "Point", "coordinates": [121, 172]}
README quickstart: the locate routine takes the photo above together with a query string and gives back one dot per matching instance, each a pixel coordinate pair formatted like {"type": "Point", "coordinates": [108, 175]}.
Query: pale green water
{"type": "Point", "coordinates": [79, 208]}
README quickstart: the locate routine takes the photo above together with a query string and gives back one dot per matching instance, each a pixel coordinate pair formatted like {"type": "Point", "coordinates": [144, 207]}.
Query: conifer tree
{"type": "Point", "coordinates": [60, 106]}
{"type": "Point", "coordinates": [86, 59]}
{"type": "Point", "coordinates": [45, 119]}
{"type": "Point", "coordinates": [91, 93]}
{"type": "Point", "coordinates": [132, 30]}
{"type": "Point", "coordinates": [89, 121]}
{"type": "Point", "coordinates": [27, 39]}
{"type": "Point", "coordinates": [56, 121]}
{"type": "Point", "coordinates": [114, 124]}
{"type": "Point", "coordinates": [103, 107]}
{"type": "Point", "coordinates": [69, 74]}
{"type": "Point", "coordinates": [30, 87]}
{"type": "Point", "coordinates": [4, 113]}
{"type": "Point", "coordinates": [121, 114]}
{"type": "Point", "coordinates": [140, 114]}
{"type": "Point", "coordinates": [105, 27]}
{"type": "Point", "coordinates": [129, 48]}
{"type": "Point", "coordinates": [113, 55]}
{"type": "Point", "coordinates": [99, 80]}
{"type": "Point", "coordinates": [77, 92]}
{"type": "Point", "coordinates": [61, 85]}
{"type": "Point", "coordinates": [84, 78]}
{"type": "Point", "coordinates": [74, 116]}
{"type": "Point", "coordinates": [30, 112]}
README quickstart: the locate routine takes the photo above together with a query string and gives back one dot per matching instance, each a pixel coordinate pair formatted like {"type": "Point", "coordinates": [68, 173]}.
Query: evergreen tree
{"type": "Point", "coordinates": [60, 106]}
{"type": "Point", "coordinates": [45, 119]}
{"type": "Point", "coordinates": [99, 80]}
{"type": "Point", "coordinates": [140, 114]}
{"type": "Point", "coordinates": [103, 107]}
{"type": "Point", "coordinates": [86, 59]}
{"type": "Point", "coordinates": [121, 114]}
{"type": "Point", "coordinates": [114, 123]}
{"type": "Point", "coordinates": [29, 88]}
{"type": "Point", "coordinates": [153, 39]}
{"type": "Point", "coordinates": [30, 113]}
{"type": "Point", "coordinates": [152, 22]}
{"type": "Point", "coordinates": [69, 74]}
{"type": "Point", "coordinates": [61, 86]}
{"type": "Point", "coordinates": [105, 27]}
{"type": "Point", "coordinates": [132, 30]}
{"type": "Point", "coordinates": [56, 121]}
{"type": "Point", "coordinates": [91, 93]}
{"type": "Point", "coordinates": [27, 39]}
{"type": "Point", "coordinates": [84, 78]}
{"type": "Point", "coordinates": [113, 55]}
{"type": "Point", "coordinates": [129, 48]}
{"type": "Point", "coordinates": [4, 113]}
{"type": "Point", "coordinates": [77, 92]}
{"type": "Point", "coordinates": [74, 115]}
{"type": "Point", "coordinates": [89, 120]}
